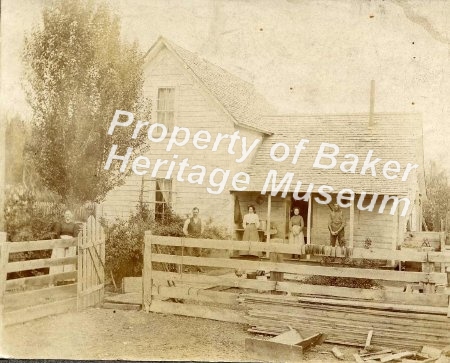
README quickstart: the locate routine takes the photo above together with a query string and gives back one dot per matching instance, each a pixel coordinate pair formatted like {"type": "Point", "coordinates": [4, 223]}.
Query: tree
{"type": "Point", "coordinates": [17, 134]}
{"type": "Point", "coordinates": [78, 72]}
{"type": "Point", "coordinates": [437, 203]}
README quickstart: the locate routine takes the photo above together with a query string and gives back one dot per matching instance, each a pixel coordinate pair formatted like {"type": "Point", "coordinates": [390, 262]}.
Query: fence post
{"type": "Point", "coordinates": [4, 256]}
{"type": "Point", "coordinates": [80, 267]}
{"type": "Point", "coordinates": [147, 281]}
{"type": "Point", "coordinates": [442, 236]}
{"type": "Point", "coordinates": [448, 291]}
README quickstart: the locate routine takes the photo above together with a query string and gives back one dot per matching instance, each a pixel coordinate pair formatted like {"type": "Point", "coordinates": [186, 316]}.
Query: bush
{"type": "Point", "coordinates": [125, 240]}
{"type": "Point", "coordinates": [23, 221]}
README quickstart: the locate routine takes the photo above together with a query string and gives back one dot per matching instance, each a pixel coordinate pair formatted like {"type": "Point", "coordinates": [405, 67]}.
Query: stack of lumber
{"type": "Point", "coordinates": [346, 322]}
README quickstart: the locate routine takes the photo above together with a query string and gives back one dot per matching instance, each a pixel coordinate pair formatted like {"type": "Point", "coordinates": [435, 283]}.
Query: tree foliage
{"type": "Point", "coordinates": [78, 72]}
{"type": "Point", "coordinates": [437, 204]}
{"type": "Point", "coordinates": [17, 134]}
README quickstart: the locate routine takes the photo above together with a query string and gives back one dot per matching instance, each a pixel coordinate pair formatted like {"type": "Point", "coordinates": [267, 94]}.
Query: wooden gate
{"type": "Point", "coordinates": [91, 264]}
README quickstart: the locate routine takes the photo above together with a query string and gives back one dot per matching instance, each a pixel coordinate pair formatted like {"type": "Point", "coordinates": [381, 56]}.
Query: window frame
{"type": "Point", "coordinates": [158, 111]}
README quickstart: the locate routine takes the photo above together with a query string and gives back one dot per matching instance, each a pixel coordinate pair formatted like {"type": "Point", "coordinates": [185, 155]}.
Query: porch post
{"type": "Point", "coordinates": [308, 222]}
{"type": "Point", "coordinates": [269, 208]}
{"type": "Point", "coordinates": [352, 224]}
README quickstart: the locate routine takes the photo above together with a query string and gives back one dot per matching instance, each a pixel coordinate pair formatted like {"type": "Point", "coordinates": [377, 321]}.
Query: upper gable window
{"type": "Point", "coordinates": [166, 107]}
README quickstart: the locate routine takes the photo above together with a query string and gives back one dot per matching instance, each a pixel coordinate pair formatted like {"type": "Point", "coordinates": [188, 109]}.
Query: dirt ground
{"type": "Point", "coordinates": [98, 333]}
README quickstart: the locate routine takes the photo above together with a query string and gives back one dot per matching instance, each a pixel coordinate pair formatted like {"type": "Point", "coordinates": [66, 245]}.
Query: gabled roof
{"type": "Point", "coordinates": [238, 98]}
{"type": "Point", "coordinates": [393, 137]}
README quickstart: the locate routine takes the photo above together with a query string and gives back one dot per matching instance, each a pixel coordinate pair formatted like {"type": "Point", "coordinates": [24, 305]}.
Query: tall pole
{"type": "Point", "coordinates": [2, 162]}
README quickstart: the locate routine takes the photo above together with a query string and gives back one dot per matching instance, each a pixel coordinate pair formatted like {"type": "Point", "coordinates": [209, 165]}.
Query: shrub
{"type": "Point", "coordinates": [125, 240]}
{"type": "Point", "coordinates": [23, 221]}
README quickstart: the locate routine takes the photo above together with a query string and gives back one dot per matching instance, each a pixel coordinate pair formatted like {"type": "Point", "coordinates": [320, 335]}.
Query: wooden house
{"type": "Point", "coordinates": [191, 92]}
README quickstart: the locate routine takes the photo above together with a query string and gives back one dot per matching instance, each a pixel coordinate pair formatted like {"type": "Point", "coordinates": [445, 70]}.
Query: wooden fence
{"type": "Point", "coordinates": [27, 298]}
{"type": "Point", "coordinates": [222, 295]}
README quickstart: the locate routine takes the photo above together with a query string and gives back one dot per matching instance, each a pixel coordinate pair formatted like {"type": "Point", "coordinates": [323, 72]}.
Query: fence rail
{"type": "Point", "coordinates": [27, 298]}
{"type": "Point", "coordinates": [158, 282]}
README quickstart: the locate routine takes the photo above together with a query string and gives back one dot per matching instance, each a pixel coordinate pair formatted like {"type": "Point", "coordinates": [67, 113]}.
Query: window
{"type": "Point", "coordinates": [166, 107]}
{"type": "Point", "coordinates": [163, 198]}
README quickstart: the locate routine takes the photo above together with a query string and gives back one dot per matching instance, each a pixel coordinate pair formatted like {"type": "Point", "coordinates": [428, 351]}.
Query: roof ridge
{"type": "Point", "coordinates": [175, 46]}
{"type": "Point", "coordinates": [346, 114]}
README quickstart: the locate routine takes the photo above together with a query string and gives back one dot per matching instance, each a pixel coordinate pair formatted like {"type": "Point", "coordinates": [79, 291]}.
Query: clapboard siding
{"type": "Point", "coordinates": [195, 110]}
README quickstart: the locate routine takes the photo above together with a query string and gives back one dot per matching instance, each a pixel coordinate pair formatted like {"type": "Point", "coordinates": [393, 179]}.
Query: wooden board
{"type": "Point", "coordinates": [41, 245]}
{"type": "Point", "coordinates": [191, 293]}
{"type": "Point", "coordinates": [270, 351]}
{"type": "Point", "coordinates": [25, 283]}
{"type": "Point", "coordinates": [438, 278]}
{"type": "Point", "coordinates": [199, 311]}
{"type": "Point", "coordinates": [128, 298]}
{"type": "Point", "coordinates": [40, 263]}
{"type": "Point", "coordinates": [252, 246]}
{"type": "Point", "coordinates": [132, 284]}
{"type": "Point", "coordinates": [39, 311]}
{"type": "Point", "coordinates": [19, 300]}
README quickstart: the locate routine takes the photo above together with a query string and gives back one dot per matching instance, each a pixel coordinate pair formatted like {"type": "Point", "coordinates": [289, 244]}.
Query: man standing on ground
{"type": "Point", "coordinates": [194, 228]}
{"type": "Point", "coordinates": [336, 226]}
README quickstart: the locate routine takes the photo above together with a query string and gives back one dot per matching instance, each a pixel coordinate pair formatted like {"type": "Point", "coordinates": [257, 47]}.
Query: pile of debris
{"type": "Point", "coordinates": [424, 355]}
{"type": "Point", "coordinates": [347, 322]}
{"type": "Point", "coordinates": [290, 345]}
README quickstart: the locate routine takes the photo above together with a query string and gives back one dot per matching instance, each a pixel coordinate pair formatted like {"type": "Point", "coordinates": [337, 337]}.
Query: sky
{"type": "Point", "coordinates": [305, 57]}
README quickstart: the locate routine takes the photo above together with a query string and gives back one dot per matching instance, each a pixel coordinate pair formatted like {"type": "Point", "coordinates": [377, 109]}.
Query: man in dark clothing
{"type": "Point", "coordinates": [194, 228]}
{"type": "Point", "coordinates": [336, 226]}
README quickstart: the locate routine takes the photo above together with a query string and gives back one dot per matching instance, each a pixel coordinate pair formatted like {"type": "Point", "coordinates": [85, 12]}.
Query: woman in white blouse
{"type": "Point", "coordinates": [251, 225]}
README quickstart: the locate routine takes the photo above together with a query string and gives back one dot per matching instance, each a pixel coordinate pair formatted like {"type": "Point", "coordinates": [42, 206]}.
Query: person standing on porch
{"type": "Point", "coordinates": [296, 224]}
{"type": "Point", "coordinates": [251, 225]}
{"type": "Point", "coordinates": [336, 226]}
{"type": "Point", "coordinates": [64, 230]}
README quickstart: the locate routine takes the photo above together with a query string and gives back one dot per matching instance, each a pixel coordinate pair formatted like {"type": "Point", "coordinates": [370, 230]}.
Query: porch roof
{"type": "Point", "coordinates": [394, 136]}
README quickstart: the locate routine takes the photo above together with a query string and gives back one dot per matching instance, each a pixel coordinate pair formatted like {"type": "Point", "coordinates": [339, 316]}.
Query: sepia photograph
{"type": "Point", "coordinates": [232, 181]}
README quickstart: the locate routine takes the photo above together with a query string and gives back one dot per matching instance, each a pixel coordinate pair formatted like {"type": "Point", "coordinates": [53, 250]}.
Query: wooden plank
{"type": "Point", "coordinates": [131, 284]}
{"type": "Point", "coordinates": [438, 278]}
{"type": "Point", "coordinates": [198, 311]}
{"type": "Point", "coordinates": [396, 356]}
{"type": "Point", "coordinates": [116, 306]}
{"type": "Point", "coordinates": [79, 271]}
{"type": "Point", "coordinates": [215, 280]}
{"type": "Point", "coordinates": [40, 263]}
{"type": "Point", "coordinates": [4, 256]}
{"type": "Point", "coordinates": [290, 337]}
{"type": "Point", "coordinates": [39, 311]}
{"type": "Point", "coordinates": [25, 283]}
{"type": "Point", "coordinates": [41, 245]}
{"type": "Point", "coordinates": [373, 253]}
{"type": "Point", "coordinates": [18, 300]}
{"type": "Point", "coordinates": [371, 316]}
{"type": "Point", "coordinates": [375, 305]}
{"type": "Point", "coordinates": [147, 279]}
{"type": "Point", "coordinates": [128, 298]}
{"type": "Point", "coordinates": [364, 294]}
{"type": "Point", "coordinates": [267, 350]}
{"type": "Point", "coordinates": [440, 257]}
{"type": "Point", "coordinates": [192, 293]}
{"type": "Point", "coordinates": [345, 331]}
